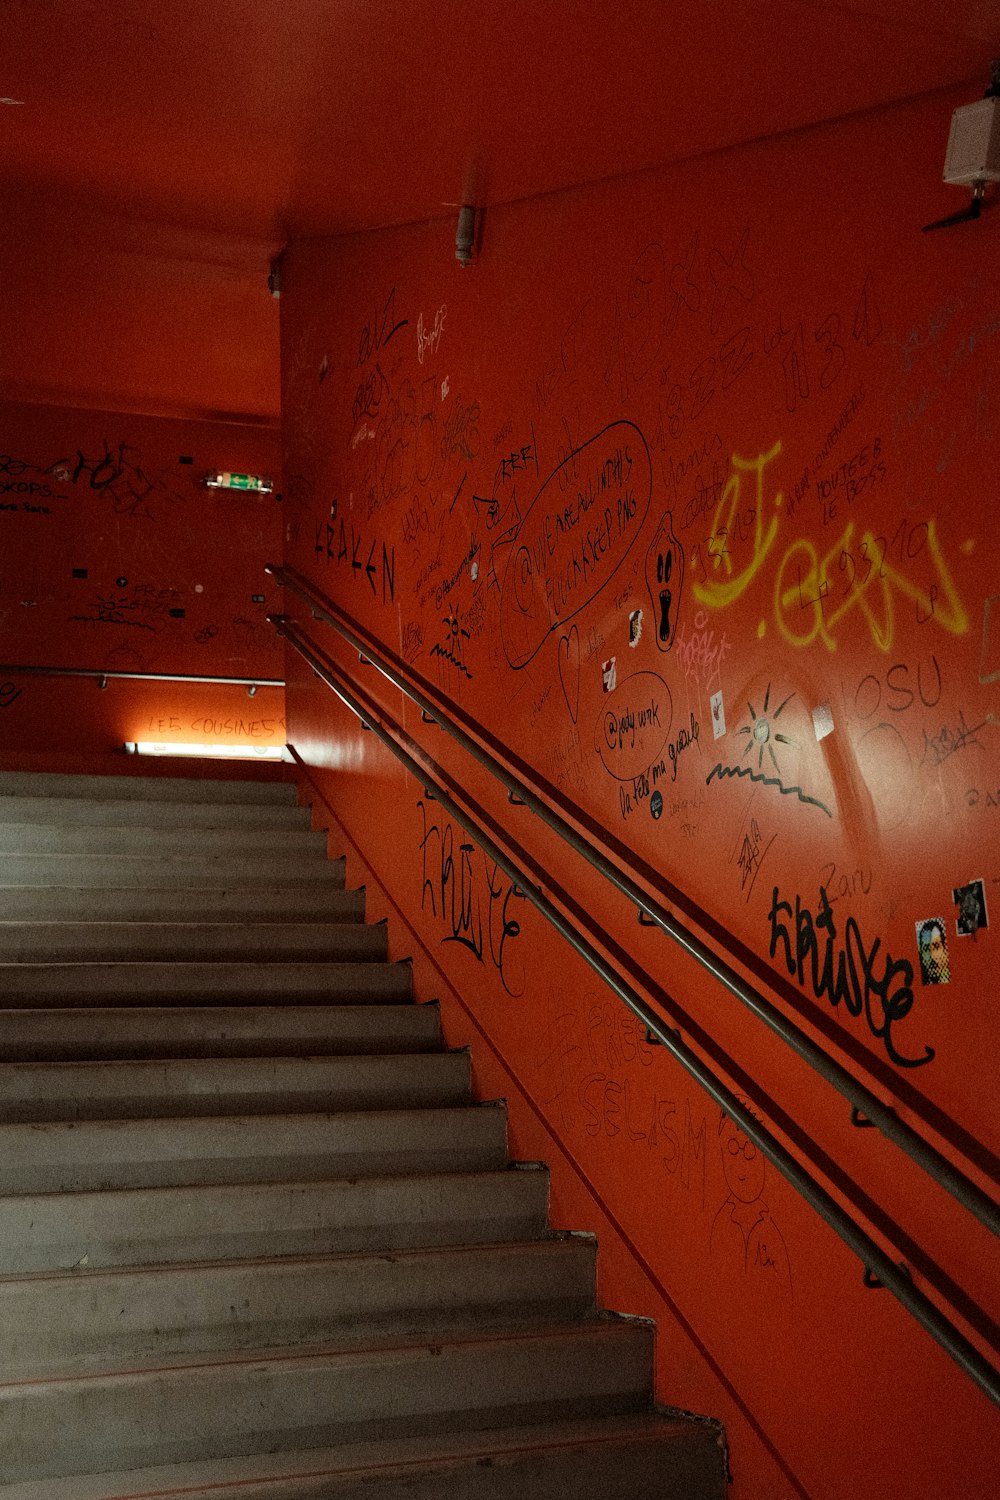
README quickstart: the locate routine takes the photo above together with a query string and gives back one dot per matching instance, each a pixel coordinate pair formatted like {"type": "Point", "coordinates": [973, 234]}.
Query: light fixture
{"type": "Point", "coordinates": [224, 480]}
{"type": "Point", "coordinates": [207, 752]}
{"type": "Point", "coordinates": [465, 235]}
{"type": "Point", "coordinates": [973, 156]}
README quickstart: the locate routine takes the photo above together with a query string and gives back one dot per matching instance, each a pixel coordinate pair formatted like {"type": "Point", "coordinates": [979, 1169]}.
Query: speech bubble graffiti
{"type": "Point", "coordinates": [634, 725]}
{"type": "Point", "coordinates": [575, 536]}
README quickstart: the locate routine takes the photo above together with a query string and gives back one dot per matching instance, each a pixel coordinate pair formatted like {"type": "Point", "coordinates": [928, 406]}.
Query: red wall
{"type": "Point", "coordinates": [756, 374]}
{"type": "Point", "coordinates": [116, 314]}
{"type": "Point", "coordinates": [117, 558]}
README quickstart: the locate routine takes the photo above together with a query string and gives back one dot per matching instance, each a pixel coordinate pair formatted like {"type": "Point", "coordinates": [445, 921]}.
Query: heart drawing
{"type": "Point", "coordinates": [569, 670]}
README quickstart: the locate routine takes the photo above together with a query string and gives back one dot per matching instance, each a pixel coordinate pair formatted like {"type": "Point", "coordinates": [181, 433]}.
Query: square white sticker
{"type": "Point", "coordinates": [718, 715]}
{"type": "Point", "coordinates": [823, 720]}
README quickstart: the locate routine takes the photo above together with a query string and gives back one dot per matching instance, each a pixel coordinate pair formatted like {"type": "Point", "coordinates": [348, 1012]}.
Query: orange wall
{"type": "Point", "coordinates": [117, 558]}
{"type": "Point", "coordinates": [753, 382]}
{"type": "Point", "coordinates": [113, 314]}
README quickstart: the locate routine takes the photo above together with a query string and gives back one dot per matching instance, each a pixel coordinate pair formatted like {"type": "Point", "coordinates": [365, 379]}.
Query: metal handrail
{"type": "Point", "coordinates": [861, 1099]}
{"type": "Point", "coordinates": [104, 676]}
{"type": "Point", "coordinates": [878, 1264]}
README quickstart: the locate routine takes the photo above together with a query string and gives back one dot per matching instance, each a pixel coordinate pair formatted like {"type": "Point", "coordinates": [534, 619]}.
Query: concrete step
{"type": "Point", "coordinates": [105, 1155]}
{"type": "Point", "coordinates": [53, 1034]}
{"type": "Point", "coordinates": [90, 942]}
{"type": "Point", "coordinates": [645, 1457]}
{"type": "Point", "coordinates": [151, 813]}
{"type": "Point", "coordinates": [56, 784]}
{"type": "Point", "coordinates": [102, 1090]}
{"type": "Point", "coordinates": [153, 870]}
{"type": "Point", "coordinates": [96, 1320]}
{"type": "Point", "coordinates": [323, 901]}
{"type": "Point", "coordinates": [252, 1403]}
{"type": "Point", "coordinates": [164, 1226]}
{"type": "Point", "coordinates": [63, 985]}
{"type": "Point", "coordinates": [160, 843]}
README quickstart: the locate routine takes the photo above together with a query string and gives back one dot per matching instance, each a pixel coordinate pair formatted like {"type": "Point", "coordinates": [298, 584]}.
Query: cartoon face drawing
{"type": "Point", "coordinates": [742, 1164]}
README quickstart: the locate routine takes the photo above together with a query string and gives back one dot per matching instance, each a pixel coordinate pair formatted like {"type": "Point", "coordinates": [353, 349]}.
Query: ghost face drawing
{"type": "Point", "coordinates": [664, 579]}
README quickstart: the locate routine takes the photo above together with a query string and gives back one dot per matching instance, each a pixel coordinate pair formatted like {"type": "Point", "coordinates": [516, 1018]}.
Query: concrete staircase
{"type": "Point", "coordinates": [256, 1240]}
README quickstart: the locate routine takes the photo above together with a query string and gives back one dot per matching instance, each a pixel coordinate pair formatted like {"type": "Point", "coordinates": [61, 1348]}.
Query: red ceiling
{"type": "Point", "coordinates": [270, 117]}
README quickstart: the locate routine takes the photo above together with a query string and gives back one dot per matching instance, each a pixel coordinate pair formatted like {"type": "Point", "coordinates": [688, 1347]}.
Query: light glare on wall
{"type": "Point", "coordinates": [207, 752]}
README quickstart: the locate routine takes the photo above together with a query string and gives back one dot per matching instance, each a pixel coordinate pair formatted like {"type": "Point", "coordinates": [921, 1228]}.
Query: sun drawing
{"type": "Point", "coordinates": [762, 734]}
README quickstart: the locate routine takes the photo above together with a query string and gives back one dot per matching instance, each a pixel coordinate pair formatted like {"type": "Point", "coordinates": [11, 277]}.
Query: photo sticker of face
{"type": "Point", "coordinates": [971, 902]}
{"type": "Point", "coordinates": [932, 945]}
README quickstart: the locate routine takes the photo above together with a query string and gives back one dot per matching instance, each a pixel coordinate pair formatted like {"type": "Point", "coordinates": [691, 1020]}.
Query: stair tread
{"type": "Point", "coordinates": [394, 1347]}
{"type": "Point", "coordinates": [304, 1471]}
{"type": "Point", "coordinates": [92, 1274]}
{"type": "Point", "coordinates": [115, 928]}
{"type": "Point", "coordinates": [61, 784]}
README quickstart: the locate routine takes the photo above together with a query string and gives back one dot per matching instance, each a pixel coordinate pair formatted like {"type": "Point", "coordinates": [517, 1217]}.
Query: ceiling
{"type": "Point", "coordinates": [270, 118]}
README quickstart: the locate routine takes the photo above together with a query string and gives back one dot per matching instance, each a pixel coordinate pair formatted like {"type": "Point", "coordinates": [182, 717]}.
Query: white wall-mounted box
{"type": "Point", "coordinates": [974, 144]}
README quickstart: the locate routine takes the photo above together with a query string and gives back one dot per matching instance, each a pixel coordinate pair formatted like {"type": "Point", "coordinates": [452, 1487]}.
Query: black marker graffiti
{"type": "Point", "coordinates": [850, 975]}
{"type": "Point", "coordinates": [452, 648]}
{"type": "Point", "coordinates": [114, 610]}
{"type": "Point", "coordinates": [762, 735]}
{"type": "Point", "coordinates": [786, 791]}
{"type": "Point", "coordinates": [938, 747]}
{"type": "Point", "coordinates": [664, 579]}
{"type": "Point", "coordinates": [331, 543]}
{"type": "Point", "coordinates": [452, 881]}
{"type": "Point", "coordinates": [685, 738]}
{"type": "Point", "coordinates": [380, 329]}
{"type": "Point", "coordinates": [115, 474]}
{"type": "Point", "coordinates": [575, 536]}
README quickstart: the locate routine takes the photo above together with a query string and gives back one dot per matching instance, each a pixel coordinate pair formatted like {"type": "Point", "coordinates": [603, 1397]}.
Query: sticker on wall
{"type": "Point", "coordinates": [971, 902]}
{"type": "Point", "coordinates": [823, 720]}
{"type": "Point", "coordinates": [932, 945]}
{"type": "Point", "coordinates": [635, 628]}
{"type": "Point", "coordinates": [609, 674]}
{"type": "Point", "coordinates": [718, 715]}
{"type": "Point", "coordinates": [656, 805]}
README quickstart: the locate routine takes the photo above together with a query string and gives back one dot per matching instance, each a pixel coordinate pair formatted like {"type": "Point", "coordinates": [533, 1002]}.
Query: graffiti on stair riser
{"type": "Point", "coordinates": [470, 896]}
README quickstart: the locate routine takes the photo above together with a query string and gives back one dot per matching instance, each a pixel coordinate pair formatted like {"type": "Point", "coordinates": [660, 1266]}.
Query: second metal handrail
{"type": "Point", "coordinates": [865, 1103]}
{"type": "Point", "coordinates": [104, 675]}
{"type": "Point", "coordinates": [880, 1269]}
